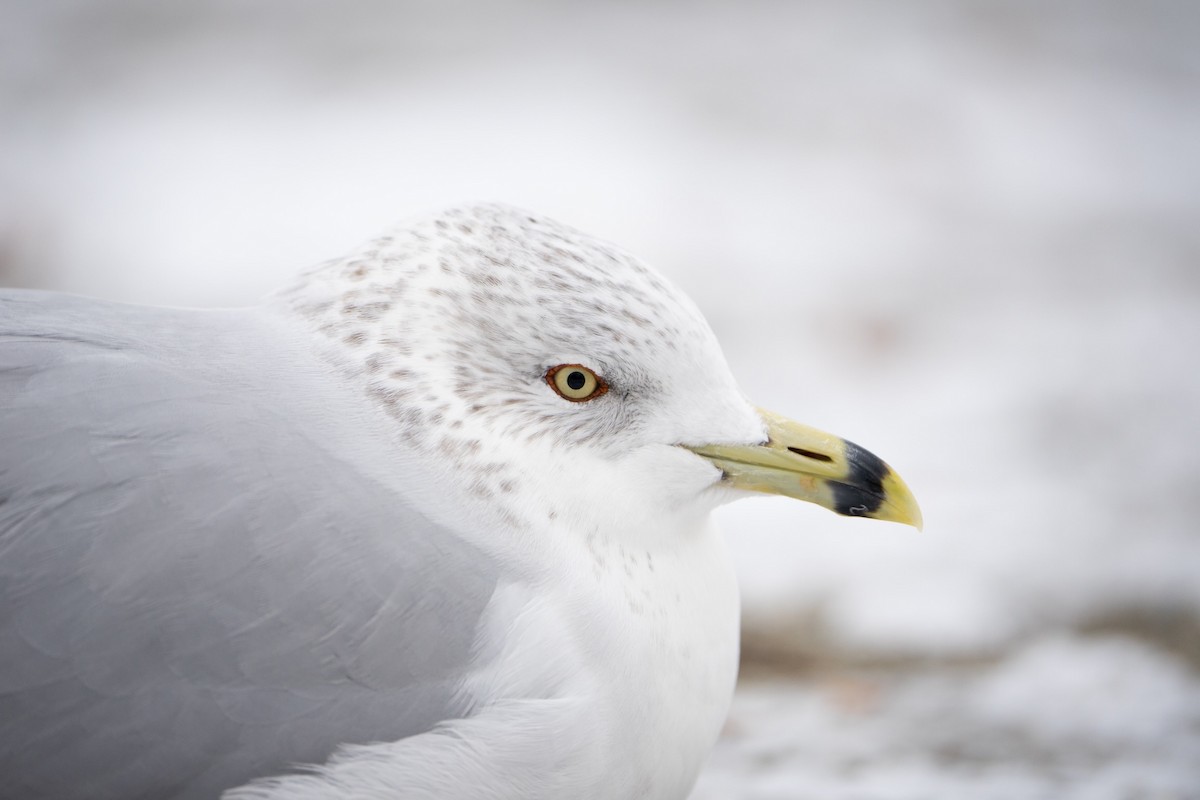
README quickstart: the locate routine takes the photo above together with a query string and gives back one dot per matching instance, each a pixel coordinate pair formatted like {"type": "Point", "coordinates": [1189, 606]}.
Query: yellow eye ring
{"type": "Point", "coordinates": [575, 382]}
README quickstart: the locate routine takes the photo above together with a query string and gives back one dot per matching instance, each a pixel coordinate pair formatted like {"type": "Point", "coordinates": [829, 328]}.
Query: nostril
{"type": "Point", "coordinates": [811, 454]}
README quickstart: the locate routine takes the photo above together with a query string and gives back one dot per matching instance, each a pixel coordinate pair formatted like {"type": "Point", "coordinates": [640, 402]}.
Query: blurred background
{"type": "Point", "coordinates": [965, 235]}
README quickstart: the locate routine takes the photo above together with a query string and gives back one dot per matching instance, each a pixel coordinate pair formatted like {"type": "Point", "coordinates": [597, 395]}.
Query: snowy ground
{"type": "Point", "coordinates": [1061, 719]}
{"type": "Point", "coordinates": [964, 235]}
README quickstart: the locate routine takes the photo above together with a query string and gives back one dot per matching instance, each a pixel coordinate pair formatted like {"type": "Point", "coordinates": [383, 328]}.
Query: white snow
{"type": "Point", "coordinates": [1063, 717]}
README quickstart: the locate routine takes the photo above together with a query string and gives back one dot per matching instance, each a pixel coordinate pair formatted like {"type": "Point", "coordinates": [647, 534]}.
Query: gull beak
{"type": "Point", "coordinates": [808, 464]}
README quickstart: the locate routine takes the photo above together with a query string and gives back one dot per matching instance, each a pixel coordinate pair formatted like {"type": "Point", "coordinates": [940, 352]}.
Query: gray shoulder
{"type": "Point", "coordinates": [203, 578]}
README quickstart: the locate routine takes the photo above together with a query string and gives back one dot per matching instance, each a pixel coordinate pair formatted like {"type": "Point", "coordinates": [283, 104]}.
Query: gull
{"type": "Point", "coordinates": [432, 522]}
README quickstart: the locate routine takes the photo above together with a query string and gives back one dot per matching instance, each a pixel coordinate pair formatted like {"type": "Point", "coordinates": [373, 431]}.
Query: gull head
{"type": "Point", "coordinates": [548, 373]}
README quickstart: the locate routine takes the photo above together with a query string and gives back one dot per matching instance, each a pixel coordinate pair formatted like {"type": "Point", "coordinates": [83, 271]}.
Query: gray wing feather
{"type": "Point", "coordinates": [200, 581]}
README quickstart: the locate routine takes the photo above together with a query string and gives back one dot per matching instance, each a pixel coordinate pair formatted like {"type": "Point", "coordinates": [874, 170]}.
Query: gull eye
{"type": "Point", "coordinates": [575, 382]}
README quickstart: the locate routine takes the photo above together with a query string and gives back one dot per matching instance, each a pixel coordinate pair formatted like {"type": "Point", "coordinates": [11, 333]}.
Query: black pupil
{"type": "Point", "coordinates": [576, 380]}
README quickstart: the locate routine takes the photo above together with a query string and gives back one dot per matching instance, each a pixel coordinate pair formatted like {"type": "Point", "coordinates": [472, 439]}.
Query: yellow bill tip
{"type": "Point", "coordinates": [899, 505]}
